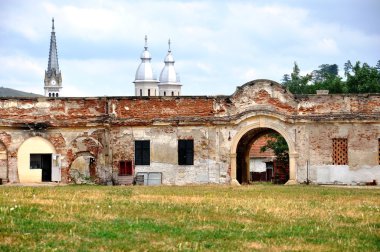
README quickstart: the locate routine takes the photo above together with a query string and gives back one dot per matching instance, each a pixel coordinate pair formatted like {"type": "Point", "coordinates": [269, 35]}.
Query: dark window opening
{"type": "Point", "coordinates": [185, 152]}
{"type": "Point", "coordinates": [164, 93]}
{"type": "Point", "coordinates": [142, 152]}
{"type": "Point", "coordinates": [56, 95]}
{"type": "Point", "coordinates": [172, 93]}
{"type": "Point", "coordinates": [140, 92]}
{"type": "Point", "coordinates": [49, 94]}
{"type": "Point", "coordinates": [148, 92]}
{"type": "Point", "coordinates": [125, 168]}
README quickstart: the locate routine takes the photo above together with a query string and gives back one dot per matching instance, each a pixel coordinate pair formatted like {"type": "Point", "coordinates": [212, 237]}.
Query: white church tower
{"type": "Point", "coordinates": [53, 77]}
{"type": "Point", "coordinates": [170, 84]}
{"type": "Point", "coordinates": [145, 81]}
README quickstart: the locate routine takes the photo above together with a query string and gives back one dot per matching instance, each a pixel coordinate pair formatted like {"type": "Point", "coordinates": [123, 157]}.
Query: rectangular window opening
{"type": "Point", "coordinates": [185, 152]}
{"type": "Point", "coordinates": [340, 151]}
{"type": "Point", "coordinates": [142, 152]}
{"type": "Point", "coordinates": [125, 168]}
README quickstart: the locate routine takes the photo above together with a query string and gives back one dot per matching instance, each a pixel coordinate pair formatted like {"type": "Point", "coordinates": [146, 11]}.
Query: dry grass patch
{"type": "Point", "coordinates": [188, 218]}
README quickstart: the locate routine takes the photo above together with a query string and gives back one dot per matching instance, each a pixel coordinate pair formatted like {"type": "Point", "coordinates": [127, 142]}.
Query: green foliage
{"type": "Point", "coordinates": [363, 79]}
{"type": "Point", "coordinates": [278, 144]}
{"type": "Point", "coordinates": [360, 79]}
{"type": "Point", "coordinates": [297, 84]}
{"type": "Point", "coordinates": [324, 72]}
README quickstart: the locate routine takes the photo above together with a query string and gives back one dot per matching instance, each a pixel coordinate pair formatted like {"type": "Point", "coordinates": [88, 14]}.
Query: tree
{"type": "Point", "coordinates": [363, 79]}
{"type": "Point", "coordinates": [378, 65]}
{"type": "Point", "coordinates": [278, 144]}
{"type": "Point", "coordinates": [285, 79]}
{"type": "Point", "coordinates": [296, 72]}
{"type": "Point", "coordinates": [360, 79]}
{"type": "Point", "coordinates": [347, 68]}
{"type": "Point", "coordinates": [298, 84]}
{"type": "Point", "coordinates": [325, 71]}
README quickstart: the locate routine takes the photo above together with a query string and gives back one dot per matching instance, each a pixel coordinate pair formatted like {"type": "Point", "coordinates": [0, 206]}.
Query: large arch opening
{"type": "Point", "coordinates": [257, 160]}
{"type": "Point", "coordinates": [242, 139]}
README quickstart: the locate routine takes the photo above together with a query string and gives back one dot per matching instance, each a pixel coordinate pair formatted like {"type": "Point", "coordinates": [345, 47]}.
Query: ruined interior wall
{"type": "Point", "coordinates": [315, 147]}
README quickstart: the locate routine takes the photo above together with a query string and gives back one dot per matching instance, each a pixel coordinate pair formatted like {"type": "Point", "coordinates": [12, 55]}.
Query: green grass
{"type": "Point", "coordinates": [217, 218]}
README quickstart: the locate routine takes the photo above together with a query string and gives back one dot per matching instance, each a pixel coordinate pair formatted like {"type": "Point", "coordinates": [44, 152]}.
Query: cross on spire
{"type": "Point", "coordinates": [52, 27]}
{"type": "Point", "coordinates": [146, 42]}
{"type": "Point", "coordinates": [169, 46]}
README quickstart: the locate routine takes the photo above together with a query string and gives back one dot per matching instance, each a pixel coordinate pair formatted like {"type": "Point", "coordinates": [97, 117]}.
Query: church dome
{"type": "Point", "coordinates": [168, 74]}
{"type": "Point", "coordinates": [145, 70]}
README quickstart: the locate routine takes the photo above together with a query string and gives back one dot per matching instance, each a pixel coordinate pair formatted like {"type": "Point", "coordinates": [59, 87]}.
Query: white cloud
{"type": "Point", "coordinates": [217, 45]}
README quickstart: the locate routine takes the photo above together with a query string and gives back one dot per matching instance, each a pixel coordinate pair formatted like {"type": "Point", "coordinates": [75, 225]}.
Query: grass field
{"type": "Point", "coordinates": [217, 218]}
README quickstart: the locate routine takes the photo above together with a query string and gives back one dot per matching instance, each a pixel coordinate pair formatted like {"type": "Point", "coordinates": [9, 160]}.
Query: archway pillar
{"type": "Point", "coordinates": [233, 169]}
{"type": "Point", "coordinates": [292, 169]}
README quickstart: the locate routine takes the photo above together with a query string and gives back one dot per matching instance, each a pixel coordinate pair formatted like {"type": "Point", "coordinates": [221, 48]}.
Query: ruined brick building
{"type": "Point", "coordinates": [188, 139]}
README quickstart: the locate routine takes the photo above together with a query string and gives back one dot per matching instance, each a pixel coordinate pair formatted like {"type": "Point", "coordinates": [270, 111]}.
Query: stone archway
{"type": "Point", "coordinates": [257, 124]}
{"type": "Point", "coordinates": [3, 163]}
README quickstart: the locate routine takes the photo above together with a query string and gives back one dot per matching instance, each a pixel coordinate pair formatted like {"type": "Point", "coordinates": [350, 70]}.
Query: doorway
{"type": "Point", "coordinates": [43, 162]}
{"type": "Point", "coordinates": [253, 163]}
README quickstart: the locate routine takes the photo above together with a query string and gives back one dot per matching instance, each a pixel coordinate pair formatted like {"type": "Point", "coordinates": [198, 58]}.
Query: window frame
{"type": "Point", "coordinates": [125, 168]}
{"type": "Point", "coordinates": [185, 151]}
{"type": "Point", "coordinates": [142, 152]}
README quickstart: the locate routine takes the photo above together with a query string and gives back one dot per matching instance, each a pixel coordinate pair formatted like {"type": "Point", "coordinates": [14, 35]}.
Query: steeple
{"type": "Point", "coordinates": [53, 78]}
{"type": "Point", "coordinates": [170, 84]}
{"type": "Point", "coordinates": [53, 55]}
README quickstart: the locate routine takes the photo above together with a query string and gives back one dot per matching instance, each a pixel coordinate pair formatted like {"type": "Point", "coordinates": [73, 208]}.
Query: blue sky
{"type": "Point", "coordinates": [217, 45]}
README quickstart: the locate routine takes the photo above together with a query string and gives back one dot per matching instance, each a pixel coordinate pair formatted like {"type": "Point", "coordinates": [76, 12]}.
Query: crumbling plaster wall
{"type": "Point", "coordinates": [210, 152]}
{"type": "Point", "coordinates": [315, 141]}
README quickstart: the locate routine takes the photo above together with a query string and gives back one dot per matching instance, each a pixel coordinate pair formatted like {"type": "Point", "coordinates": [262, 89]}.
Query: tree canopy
{"type": "Point", "coordinates": [360, 78]}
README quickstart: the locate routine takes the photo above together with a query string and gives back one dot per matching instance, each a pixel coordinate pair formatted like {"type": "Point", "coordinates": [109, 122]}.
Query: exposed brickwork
{"type": "Point", "coordinates": [5, 138]}
{"type": "Point", "coordinates": [161, 108]}
{"type": "Point", "coordinates": [57, 140]}
{"type": "Point", "coordinates": [255, 150]}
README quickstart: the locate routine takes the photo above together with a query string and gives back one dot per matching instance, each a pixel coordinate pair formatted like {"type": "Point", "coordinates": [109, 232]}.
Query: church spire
{"type": "Point", "coordinates": [53, 55]}
{"type": "Point", "coordinates": [53, 78]}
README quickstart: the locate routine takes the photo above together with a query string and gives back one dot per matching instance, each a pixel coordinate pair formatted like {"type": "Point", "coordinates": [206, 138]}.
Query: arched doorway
{"type": "Point", "coordinates": [255, 164]}
{"type": "Point", "coordinates": [241, 142]}
{"type": "Point", "coordinates": [37, 161]}
{"type": "Point", "coordinates": [83, 168]}
{"type": "Point", "coordinates": [3, 163]}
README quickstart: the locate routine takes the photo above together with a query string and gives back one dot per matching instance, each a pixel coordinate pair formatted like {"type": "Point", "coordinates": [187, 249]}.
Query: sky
{"type": "Point", "coordinates": [218, 45]}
